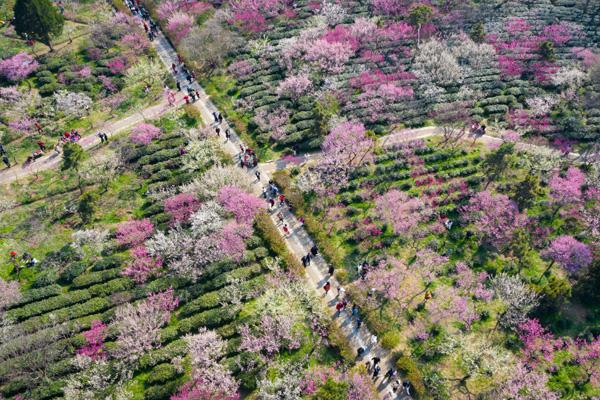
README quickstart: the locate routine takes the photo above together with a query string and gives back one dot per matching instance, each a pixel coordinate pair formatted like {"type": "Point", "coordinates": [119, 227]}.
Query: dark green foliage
{"type": "Point", "coordinates": [161, 373]}
{"type": "Point", "coordinates": [87, 206]}
{"type": "Point", "coordinates": [478, 32]}
{"type": "Point", "coordinates": [526, 191]}
{"type": "Point", "coordinates": [547, 50]}
{"type": "Point", "coordinates": [72, 271]}
{"type": "Point", "coordinates": [38, 20]}
{"type": "Point", "coordinates": [331, 390]}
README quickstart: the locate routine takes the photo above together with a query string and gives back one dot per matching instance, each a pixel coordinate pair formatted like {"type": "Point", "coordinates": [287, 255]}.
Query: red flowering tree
{"type": "Point", "coordinates": [134, 232]}
{"type": "Point", "coordinates": [143, 265]}
{"type": "Point", "coordinates": [181, 207]}
{"type": "Point", "coordinates": [144, 133]}
{"type": "Point", "coordinates": [94, 337]}
{"type": "Point", "coordinates": [242, 205]}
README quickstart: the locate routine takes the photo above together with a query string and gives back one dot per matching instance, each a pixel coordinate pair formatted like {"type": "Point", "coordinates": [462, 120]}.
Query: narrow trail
{"type": "Point", "coordinates": [298, 241]}
{"type": "Point", "coordinates": [52, 159]}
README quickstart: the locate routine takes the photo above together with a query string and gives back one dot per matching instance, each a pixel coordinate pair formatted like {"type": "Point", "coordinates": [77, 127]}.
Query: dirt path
{"type": "Point", "coordinates": [52, 159]}
{"type": "Point", "coordinates": [299, 241]}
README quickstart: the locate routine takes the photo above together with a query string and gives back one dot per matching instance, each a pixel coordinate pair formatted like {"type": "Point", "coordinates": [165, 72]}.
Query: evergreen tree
{"type": "Point", "coordinates": [38, 20]}
{"type": "Point", "coordinates": [73, 156]}
{"type": "Point", "coordinates": [478, 33]}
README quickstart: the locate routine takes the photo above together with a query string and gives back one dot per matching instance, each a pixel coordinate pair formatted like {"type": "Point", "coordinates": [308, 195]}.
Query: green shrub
{"type": "Point", "coordinates": [164, 354]}
{"type": "Point", "coordinates": [72, 271]}
{"type": "Point", "coordinates": [32, 295]}
{"type": "Point", "coordinates": [391, 339]}
{"type": "Point", "coordinates": [45, 278]}
{"type": "Point", "coordinates": [411, 370]}
{"type": "Point", "coordinates": [92, 278]}
{"type": "Point", "coordinates": [161, 392]}
{"type": "Point", "coordinates": [109, 262]}
{"type": "Point", "coordinates": [44, 306]}
{"type": "Point", "coordinates": [161, 373]}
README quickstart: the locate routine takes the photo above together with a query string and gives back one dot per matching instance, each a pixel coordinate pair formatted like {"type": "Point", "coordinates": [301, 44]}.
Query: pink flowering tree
{"type": "Point", "coordinates": [471, 283]}
{"type": "Point", "coordinates": [494, 218]}
{"type": "Point", "coordinates": [117, 65]}
{"type": "Point", "coordinates": [569, 253]}
{"type": "Point", "coordinates": [294, 86]}
{"type": "Point", "coordinates": [143, 265]}
{"type": "Point", "coordinates": [242, 205]}
{"type": "Point", "coordinates": [144, 133]}
{"type": "Point", "coordinates": [349, 145]}
{"type": "Point", "coordinates": [94, 341]}
{"type": "Point", "coordinates": [166, 9]}
{"type": "Point", "coordinates": [233, 237]}
{"type": "Point", "coordinates": [138, 326]}
{"type": "Point", "coordinates": [401, 212]}
{"type": "Point", "coordinates": [181, 207]}
{"type": "Point", "coordinates": [18, 67]}
{"type": "Point", "coordinates": [134, 232]}
{"type": "Point", "coordinates": [196, 390]}
{"type": "Point", "coordinates": [328, 56]}
{"type": "Point", "coordinates": [526, 384]}
{"type": "Point", "coordinates": [566, 189]}
{"type": "Point", "coordinates": [179, 25]}
{"type": "Point", "coordinates": [136, 42]}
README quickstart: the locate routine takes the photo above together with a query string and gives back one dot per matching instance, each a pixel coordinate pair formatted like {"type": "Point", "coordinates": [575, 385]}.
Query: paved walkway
{"type": "Point", "coordinates": [52, 159]}
{"type": "Point", "coordinates": [298, 241]}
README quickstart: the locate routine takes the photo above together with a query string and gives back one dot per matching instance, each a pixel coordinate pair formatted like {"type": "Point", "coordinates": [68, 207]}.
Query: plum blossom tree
{"type": "Point", "coordinates": [148, 72]}
{"type": "Point", "coordinates": [494, 217]}
{"type": "Point", "coordinates": [134, 232]}
{"type": "Point", "coordinates": [144, 133]}
{"type": "Point", "coordinates": [269, 335]}
{"type": "Point", "coordinates": [18, 67]}
{"type": "Point", "coordinates": [89, 243]}
{"type": "Point", "coordinates": [138, 327]}
{"type": "Point", "coordinates": [166, 9]}
{"type": "Point", "coordinates": [201, 154]}
{"type": "Point", "coordinates": [569, 253]}
{"type": "Point", "coordinates": [205, 349]}
{"type": "Point", "coordinates": [232, 240]}
{"type": "Point", "coordinates": [209, 183]}
{"type": "Point", "coordinates": [72, 104]}
{"type": "Point", "coordinates": [143, 265]}
{"type": "Point", "coordinates": [526, 384]}
{"type": "Point", "coordinates": [242, 205]}
{"type": "Point", "coordinates": [135, 42]}
{"type": "Point", "coordinates": [94, 338]}
{"type": "Point", "coordinates": [328, 56]}
{"type": "Point", "coordinates": [566, 189]}
{"type": "Point", "coordinates": [402, 212]}
{"type": "Point", "coordinates": [181, 207]}
{"type": "Point", "coordinates": [516, 296]}
{"type": "Point", "coordinates": [471, 283]}
{"type": "Point", "coordinates": [179, 25]}
{"type": "Point", "coordinates": [294, 86]}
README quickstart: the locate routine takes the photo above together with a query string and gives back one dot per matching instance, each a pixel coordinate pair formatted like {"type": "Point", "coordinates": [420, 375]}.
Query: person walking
{"type": "Point", "coordinates": [2, 149]}
{"type": "Point", "coordinates": [286, 230]}
{"type": "Point", "coordinates": [338, 308]}
{"type": "Point", "coordinates": [358, 323]}
{"type": "Point", "coordinates": [218, 130]}
{"type": "Point", "coordinates": [330, 270]}
{"type": "Point", "coordinates": [227, 134]}
{"type": "Point", "coordinates": [5, 160]}
{"type": "Point", "coordinates": [178, 86]}
{"type": "Point", "coordinates": [373, 340]}
{"type": "Point", "coordinates": [257, 173]}
{"type": "Point", "coordinates": [389, 374]}
{"type": "Point", "coordinates": [280, 217]}
{"type": "Point", "coordinates": [308, 257]}
{"type": "Point", "coordinates": [281, 200]}
{"type": "Point", "coordinates": [326, 287]}
{"type": "Point", "coordinates": [314, 250]}
{"type": "Point", "coordinates": [304, 263]}
{"type": "Point", "coordinates": [220, 118]}
{"type": "Point", "coordinates": [271, 203]}
{"type": "Point", "coordinates": [216, 117]}
{"type": "Point", "coordinates": [375, 360]}
{"type": "Point", "coordinates": [376, 370]}
{"type": "Point", "coordinates": [341, 292]}
{"type": "Point", "coordinates": [41, 145]}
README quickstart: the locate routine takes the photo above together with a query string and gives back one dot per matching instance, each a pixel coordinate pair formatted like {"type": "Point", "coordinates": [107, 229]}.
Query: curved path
{"type": "Point", "coordinates": [52, 159]}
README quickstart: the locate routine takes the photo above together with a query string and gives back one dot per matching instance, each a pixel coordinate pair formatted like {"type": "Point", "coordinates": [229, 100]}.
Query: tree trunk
{"type": "Point", "coordinates": [546, 271]}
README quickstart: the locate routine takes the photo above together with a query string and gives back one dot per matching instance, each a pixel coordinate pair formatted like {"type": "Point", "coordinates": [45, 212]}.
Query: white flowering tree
{"type": "Point", "coordinates": [72, 104]}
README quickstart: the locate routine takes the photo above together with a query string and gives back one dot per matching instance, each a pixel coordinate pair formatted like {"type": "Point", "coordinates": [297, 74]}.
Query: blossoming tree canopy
{"type": "Point", "coordinates": [18, 67]}
{"type": "Point", "coordinates": [144, 133]}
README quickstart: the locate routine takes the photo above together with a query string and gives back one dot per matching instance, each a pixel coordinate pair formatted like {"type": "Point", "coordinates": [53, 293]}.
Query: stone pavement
{"type": "Point", "coordinates": [52, 159]}
{"type": "Point", "coordinates": [298, 241]}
